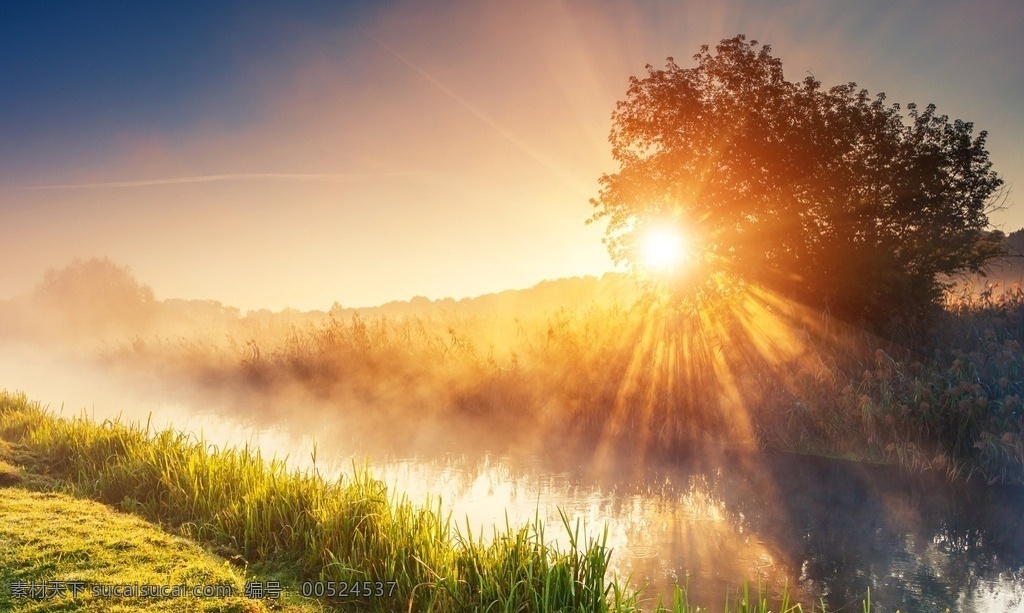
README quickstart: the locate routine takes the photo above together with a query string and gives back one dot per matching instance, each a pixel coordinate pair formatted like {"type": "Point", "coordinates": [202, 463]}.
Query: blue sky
{"type": "Point", "coordinates": [294, 154]}
{"type": "Point", "coordinates": [79, 74]}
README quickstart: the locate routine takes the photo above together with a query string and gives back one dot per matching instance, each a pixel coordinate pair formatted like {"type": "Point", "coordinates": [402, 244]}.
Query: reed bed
{"type": "Point", "coordinates": [943, 396]}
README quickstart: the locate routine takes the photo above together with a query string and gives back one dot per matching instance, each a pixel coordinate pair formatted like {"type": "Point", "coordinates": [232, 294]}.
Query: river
{"type": "Point", "coordinates": [705, 516]}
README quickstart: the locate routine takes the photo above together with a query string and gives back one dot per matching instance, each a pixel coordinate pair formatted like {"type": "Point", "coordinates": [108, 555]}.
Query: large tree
{"type": "Point", "coordinates": [828, 196]}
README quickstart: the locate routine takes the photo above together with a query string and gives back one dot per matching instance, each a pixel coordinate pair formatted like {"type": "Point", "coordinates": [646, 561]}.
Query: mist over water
{"type": "Point", "coordinates": [705, 517]}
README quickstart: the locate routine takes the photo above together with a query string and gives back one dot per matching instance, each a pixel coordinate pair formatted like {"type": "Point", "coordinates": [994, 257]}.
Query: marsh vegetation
{"type": "Point", "coordinates": [751, 372]}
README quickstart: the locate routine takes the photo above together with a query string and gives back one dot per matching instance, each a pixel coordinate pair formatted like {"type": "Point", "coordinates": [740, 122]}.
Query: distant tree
{"type": "Point", "coordinates": [828, 196]}
{"type": "Point", "coordinates": [95, 297]}
{"type": "Point", "coordinates": [1014, 244]}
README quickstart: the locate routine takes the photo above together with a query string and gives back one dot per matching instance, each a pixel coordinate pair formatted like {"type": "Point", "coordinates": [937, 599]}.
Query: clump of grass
{"type": "Point", "coordinates": [9, 475]}
{"type": "Point", "coordinates": [746, 602]}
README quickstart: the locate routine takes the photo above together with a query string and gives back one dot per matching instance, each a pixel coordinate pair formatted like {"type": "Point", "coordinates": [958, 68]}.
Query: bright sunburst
{"type": "Point", "coordinates": [663, 249]}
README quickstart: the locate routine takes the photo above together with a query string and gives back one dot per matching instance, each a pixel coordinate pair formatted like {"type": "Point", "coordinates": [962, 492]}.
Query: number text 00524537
{"type": "Point", "coordinates": [343, 589]}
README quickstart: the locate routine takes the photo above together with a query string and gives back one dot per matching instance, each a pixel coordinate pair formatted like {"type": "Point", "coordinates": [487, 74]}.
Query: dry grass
{"type": "Point", "coordinates": [751, 370]}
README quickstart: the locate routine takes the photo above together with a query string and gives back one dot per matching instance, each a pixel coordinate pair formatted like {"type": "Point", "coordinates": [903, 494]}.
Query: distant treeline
{"type": "Point", "coordinates": [97, 301]}
{"type": "Point", "coordinates": [1009, 269]}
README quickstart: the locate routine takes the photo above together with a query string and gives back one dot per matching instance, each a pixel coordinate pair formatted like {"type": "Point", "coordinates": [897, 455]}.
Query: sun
{"type": "Point", "coordinates": [663, 249]}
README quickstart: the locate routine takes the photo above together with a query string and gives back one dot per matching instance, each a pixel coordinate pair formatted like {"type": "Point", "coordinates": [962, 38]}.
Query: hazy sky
{"type": "Point", "coordinates": [298, 153]}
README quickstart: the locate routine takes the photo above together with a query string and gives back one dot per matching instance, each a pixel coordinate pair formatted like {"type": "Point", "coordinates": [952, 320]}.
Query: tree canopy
{"type": "Point", "coordinates": [828, 196]}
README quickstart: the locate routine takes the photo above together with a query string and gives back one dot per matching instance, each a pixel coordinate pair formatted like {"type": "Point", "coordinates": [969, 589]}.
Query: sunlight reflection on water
{"type": "Point", "coordinates": [826, 528]}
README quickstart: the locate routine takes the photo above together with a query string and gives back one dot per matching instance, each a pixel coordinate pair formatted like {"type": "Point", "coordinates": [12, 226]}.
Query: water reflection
{"type": "Point", "coordinates": [712, 518]}
{"type": "Point", "coordinates": [708, 517]}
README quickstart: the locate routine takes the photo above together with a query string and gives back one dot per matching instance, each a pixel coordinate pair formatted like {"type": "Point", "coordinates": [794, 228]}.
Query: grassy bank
{"type": "Point", "coordinates": [350, 532]}
{"type": "Point", "coordinates": [55, 544]}
{"type": "Point", "coordinates": [259, 513]}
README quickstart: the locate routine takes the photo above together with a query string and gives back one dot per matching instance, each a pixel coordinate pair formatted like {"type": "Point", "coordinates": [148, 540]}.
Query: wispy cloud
{"type": "Point", "coordinates": [508, 135]}
{"type": "Point", "coordinates": [235, 176]}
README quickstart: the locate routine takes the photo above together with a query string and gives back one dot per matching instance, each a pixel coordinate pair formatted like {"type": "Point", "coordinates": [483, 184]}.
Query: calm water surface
{"type": "Point", "coordinates": [709, 518]}
{"type": "Point", "coordinates": [705, 517]}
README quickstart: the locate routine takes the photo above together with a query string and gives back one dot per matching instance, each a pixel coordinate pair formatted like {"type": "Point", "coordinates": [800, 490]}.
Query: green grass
{"type": "Point", "coordinates": [50, 538]}
{"type": "Point", "coordinates": [296, 525]}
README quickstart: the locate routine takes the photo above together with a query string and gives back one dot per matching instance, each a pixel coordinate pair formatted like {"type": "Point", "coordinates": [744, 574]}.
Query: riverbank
{"type": "Point", "coordinates": [352, 531]}
{"type": "Point", "coordinates": [346, 534]}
